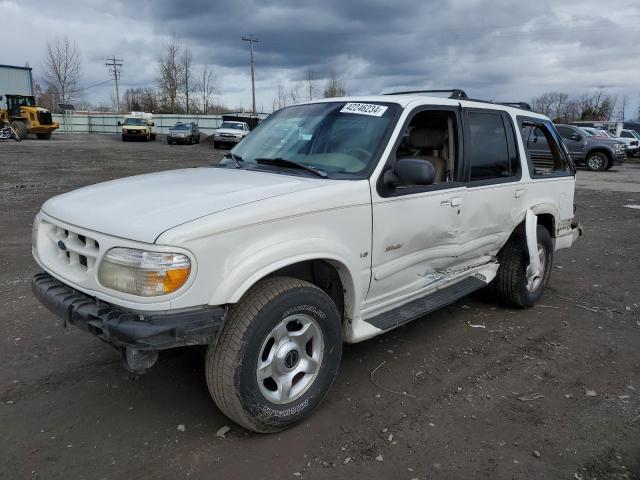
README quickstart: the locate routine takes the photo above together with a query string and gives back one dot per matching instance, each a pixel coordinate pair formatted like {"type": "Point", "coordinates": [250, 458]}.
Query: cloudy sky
{"type": "Point", "coordinates": [507, 50]}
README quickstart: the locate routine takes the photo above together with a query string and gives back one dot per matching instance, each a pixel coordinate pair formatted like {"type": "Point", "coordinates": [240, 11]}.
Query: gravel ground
{"type": "Point", "coordinates": [550, 392]}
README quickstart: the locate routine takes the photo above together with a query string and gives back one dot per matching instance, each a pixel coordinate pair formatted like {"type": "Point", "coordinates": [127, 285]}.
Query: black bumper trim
{"type": "Point", "coordinates": [124, 328]}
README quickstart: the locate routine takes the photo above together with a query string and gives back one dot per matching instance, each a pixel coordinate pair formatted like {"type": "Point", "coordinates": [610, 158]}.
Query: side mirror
{"type": "Point", "coordinates": [575, 137]}
{"type": "Point", "coordinates": [411, 171]}
{"type": "Point", "coordinates": [119, 123]}
{"type": "Point", "coordinates": [153, 124]}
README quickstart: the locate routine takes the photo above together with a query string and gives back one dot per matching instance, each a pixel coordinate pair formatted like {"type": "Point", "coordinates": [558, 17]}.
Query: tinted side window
{"type": "Point", "coordinates": [565, 132]}
{"type": "Point", "coordinates": [488, 147]}
{"type": "Point", "coordinates": [626, 135]}
{"type": "Point", "coordinates": [543, 152]}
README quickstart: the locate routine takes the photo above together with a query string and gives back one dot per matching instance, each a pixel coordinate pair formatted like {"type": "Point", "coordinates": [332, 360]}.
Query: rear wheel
{"type": "Point", "coordinates": [511, 284]}
{"type": "Point", "coordinates": [597, 161]}
{"type": "Point", "coordinates": [43, 136]}
{"type": "Point", "coordinates": [277, 355]}
{"type": "Point", "coordinates": [216, 145]}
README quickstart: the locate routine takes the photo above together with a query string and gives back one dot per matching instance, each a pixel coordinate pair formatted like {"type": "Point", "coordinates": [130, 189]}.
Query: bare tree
{"type": "Point", "coordinates": [207, 88]}
{"type": "Point", "coordinates": [334, 86]}
{"type": "Point", "coordinates": [280, 100]}
{"type": "Point", "coordinates": [170, 74]}
{"type": "Point", "coordinates": [312, 83]}
{"type": "Point", "coordinates": [294, 93]}
{"type": "Point", "coordinates": [186, 61]}
{"type": "Point", "coordinates": [62, 68]}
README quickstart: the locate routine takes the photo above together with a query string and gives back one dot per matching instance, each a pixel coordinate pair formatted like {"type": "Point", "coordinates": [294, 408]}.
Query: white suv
{"type": "Point", "coordinates": [229, 133]}
{"type": "Point", "coordinates": [333, 221]}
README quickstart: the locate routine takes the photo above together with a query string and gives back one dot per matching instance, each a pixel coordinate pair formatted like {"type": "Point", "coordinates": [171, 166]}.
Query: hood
{"type": "Point", "coordinates": [230, 130]}
{"type": "Point", "coordinates": [142, 207]}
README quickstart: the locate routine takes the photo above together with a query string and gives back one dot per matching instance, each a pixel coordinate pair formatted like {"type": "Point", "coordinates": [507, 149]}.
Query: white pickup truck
{"type": "Point", "coordinates": [333, 221]}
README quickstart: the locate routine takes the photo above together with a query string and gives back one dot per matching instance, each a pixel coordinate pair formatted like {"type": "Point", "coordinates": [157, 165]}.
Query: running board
{"type": "Point", "coordinates": [426, 304]}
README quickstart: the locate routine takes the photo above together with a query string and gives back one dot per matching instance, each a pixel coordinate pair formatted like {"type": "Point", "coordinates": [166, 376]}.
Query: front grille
{"type": "Point", "coordinates": [45, 118]}
{"type": "Point", "coordinates": [74, 253]}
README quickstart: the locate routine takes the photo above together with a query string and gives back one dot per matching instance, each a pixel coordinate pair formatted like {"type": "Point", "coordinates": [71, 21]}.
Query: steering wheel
{"type": "Point", "coordinates": [360, 153]}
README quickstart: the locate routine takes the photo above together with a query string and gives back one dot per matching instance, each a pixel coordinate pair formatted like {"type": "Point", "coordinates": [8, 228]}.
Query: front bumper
{"type": "Point", "coordinates": [221, 139]}
{"type": "Point", "coordinates": [179, 139]}
{"type": "Point", "coordinates": [619, 157]}
{"type": "Point", "coordinates": [122, 328]}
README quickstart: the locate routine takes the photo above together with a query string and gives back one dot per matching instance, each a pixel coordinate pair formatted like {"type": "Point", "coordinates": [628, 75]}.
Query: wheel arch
{"type": "Point", "coordinates": [328, 272]}
{"type": "Point", "coordinates": [604, 150]}
{"type": "Point", "coordinates": [547, 217]}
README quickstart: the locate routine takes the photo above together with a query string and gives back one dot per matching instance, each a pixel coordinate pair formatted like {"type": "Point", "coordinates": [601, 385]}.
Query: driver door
{"type": "Point", "coordinates": [416, 230]}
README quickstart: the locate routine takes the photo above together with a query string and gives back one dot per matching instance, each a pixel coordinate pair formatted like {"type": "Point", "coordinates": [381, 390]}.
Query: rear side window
{"type": "Point", "coordinates": [626, 135]}
{"type": "Point", "coordinates": [545, 154]}
{"type": "Point", "coordinates": [488, 152]}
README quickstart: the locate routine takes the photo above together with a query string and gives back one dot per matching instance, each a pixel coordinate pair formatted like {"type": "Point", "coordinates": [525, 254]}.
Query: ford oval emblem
{"type": "Point", "coordinates": [61, 245]}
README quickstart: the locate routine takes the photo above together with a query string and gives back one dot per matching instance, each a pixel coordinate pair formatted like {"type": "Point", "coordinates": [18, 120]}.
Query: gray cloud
{"type": "Point", "coordinates": [493, 49]}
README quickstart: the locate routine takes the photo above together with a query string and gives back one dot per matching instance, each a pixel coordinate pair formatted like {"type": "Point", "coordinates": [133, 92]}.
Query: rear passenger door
{"type": "Point", "coordinates": [493, 172]}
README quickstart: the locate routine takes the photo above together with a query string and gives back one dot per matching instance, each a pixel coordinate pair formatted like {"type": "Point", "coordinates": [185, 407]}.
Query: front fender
{"type": "Point", "coordinates": [274, 257]}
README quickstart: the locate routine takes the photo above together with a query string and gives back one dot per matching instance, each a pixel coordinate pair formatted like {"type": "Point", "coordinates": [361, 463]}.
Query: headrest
{"type": "Point", "coordinates": [424, 137]}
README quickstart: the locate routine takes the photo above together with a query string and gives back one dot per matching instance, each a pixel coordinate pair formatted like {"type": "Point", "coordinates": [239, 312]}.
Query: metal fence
{"type": "Point", "coordinates": [108, 122]}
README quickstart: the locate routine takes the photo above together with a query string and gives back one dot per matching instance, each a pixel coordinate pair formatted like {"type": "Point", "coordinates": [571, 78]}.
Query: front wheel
{"type": "Point", "coordinates": [277, 355]}
{"type": "Point", "coordinates": [511, 284]}
{"type": "Point", "coordinates": [597, 161]}
{"type": "Point", "coordinates": [43, 136]}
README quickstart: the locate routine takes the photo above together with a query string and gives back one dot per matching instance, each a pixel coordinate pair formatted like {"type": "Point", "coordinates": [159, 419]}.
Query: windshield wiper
{"type": "Point", "coordinates": [283, 162]}
{"type": "Point", "coordinates": [236, 159]}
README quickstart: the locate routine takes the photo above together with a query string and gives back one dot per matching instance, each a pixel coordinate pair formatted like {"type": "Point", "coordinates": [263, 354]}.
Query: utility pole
{"type": "Point", "coordinates": [115, 64]}
{"type": "Point", "coordinates": [251, 41]}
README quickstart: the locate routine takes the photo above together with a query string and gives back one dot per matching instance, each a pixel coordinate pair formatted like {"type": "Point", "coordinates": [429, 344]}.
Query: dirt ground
{"type": "Point", "coordinates": [547, 393]}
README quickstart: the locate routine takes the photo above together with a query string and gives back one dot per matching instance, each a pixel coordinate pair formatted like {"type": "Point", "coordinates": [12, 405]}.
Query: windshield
{"type": "Point", "coordinates": [232, 125]}
{"type": "Point", "coordinates": [181, 126]}
{"type": "Point", "coordinates": [335, 137]}
{"type": "Point", "coordinates": [635, 134]}
{"type": "Point", "coordinates": [135, 121]}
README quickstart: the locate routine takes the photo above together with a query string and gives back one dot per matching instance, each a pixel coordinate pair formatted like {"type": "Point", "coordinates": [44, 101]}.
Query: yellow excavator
{"type": "Point", "coordinates": [24, 116]}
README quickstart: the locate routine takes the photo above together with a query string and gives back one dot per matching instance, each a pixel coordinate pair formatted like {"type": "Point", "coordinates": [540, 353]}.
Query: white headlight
{"type": "Point", "coordinates": [143, 273]}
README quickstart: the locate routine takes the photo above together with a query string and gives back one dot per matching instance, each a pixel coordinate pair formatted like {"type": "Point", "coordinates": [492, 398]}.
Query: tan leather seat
{"type": "Point", "coordinates": [425, 139]}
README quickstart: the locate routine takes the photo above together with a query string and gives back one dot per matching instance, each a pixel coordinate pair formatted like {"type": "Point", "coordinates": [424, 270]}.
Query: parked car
{"type": "Point", "coordinates": [138, 126]}
{"type": "Point", "coordinates": [229, 133]}
{"type": "Point", "coordinates": [596, 152]}
{"type": "Point", "coordinates": [631, 139]}
{"type": "Point", "coordinates": [373, 212]}
{"type": "Point", "coordinates": [183, 133]}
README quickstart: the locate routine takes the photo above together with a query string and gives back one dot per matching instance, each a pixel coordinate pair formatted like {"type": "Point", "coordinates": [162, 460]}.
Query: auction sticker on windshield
{"type": "Point", "coordinates": [364, 109]}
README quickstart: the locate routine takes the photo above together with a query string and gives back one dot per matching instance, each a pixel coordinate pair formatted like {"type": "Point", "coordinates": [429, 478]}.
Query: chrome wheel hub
{"type": "Point", "coordinates": [290, 358]}
{"type": "Point", "coordinates": [596, 162]}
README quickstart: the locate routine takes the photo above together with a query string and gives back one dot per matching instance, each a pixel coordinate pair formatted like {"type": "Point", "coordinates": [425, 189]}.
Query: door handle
{"type": "Point", "coordinates": [519, 192]}
{"type": "Point", "coordinates": [455, 201]}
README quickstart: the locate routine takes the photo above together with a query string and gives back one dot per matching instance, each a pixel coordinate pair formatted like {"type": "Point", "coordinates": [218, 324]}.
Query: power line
{"type": "Point", "coordinates": [114, 64]}
{"type": "Point", "coordinates": [251, 41]}
{"type": "Point", "coordinates": [90, 86]}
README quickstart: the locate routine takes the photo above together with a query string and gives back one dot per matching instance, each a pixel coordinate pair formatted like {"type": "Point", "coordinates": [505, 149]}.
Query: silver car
{"type": "Point", "coordinates": [230, 133]}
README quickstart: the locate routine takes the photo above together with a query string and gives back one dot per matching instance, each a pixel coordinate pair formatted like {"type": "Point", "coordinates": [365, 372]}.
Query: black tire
{"type": "Point", "coordinates": [216, 145]}
{"type": "Point", "coordinates": [597, 161]}
{"type": "Point", "coordinates": [510, 284]}
{"type": "Point", "coordinates": [124, 139]}
{"type": "Point", "coordinates": [232, 362]}
{"type": "Point", "coordinates": [20, 128]}
{"type": "Point", "coordinates": [153, 136]}
{"type": "Point", "coordinates": [43, 136]}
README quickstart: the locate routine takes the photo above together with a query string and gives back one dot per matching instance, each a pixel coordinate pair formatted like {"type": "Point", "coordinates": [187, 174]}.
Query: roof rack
{"type": "Point", "coordinates": [522, 105]}
{"type": "Point", "coordinates": [455, 92]}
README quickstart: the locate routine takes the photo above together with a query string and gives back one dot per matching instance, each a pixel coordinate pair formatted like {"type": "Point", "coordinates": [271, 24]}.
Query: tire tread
{"type": "Point", "coordinates": [223, 360]}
